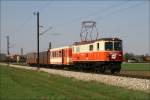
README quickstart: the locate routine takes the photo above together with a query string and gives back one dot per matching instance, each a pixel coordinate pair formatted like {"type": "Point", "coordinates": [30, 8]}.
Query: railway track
{"type": "Point", "coordinates": [127, 74]}
{"type": "Point", "coordinates": [131, 74]}
{"type": "Point", "coordinates": [135, 74]}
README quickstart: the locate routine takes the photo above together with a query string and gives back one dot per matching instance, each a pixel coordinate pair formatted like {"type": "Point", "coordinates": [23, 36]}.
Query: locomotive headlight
{"type": "Point", "coordinates": [120, 55]}
{"type": "Point", "coordinates": [113, 56]}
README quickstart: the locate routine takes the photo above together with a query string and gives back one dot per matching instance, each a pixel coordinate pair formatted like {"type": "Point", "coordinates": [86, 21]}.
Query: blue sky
{"type": "Point", "coordinates": [128, 20]}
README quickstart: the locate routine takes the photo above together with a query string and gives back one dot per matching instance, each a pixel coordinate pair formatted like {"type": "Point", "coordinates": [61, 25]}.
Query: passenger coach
{"type": "Point", "coordinates": [60, 56]}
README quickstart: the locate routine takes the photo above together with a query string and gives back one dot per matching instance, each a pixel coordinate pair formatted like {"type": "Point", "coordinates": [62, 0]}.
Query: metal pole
{"type": "Point", "coordinates": [7, 45]}
{"type": "Point", "coordinates": [38, 40]}
{"type": "Point", "coordinates": [37, 13]}
{"type": "Point", "coordinates": [50, 45]}
{"type": "Point", "coordinates": [21, 51]}
{"type": "Point", "coordinates": [8, 54]}
{"type": "Point", "coordinates": [49, 52]}
{"type": "Point", "coordinates": [21, 57]}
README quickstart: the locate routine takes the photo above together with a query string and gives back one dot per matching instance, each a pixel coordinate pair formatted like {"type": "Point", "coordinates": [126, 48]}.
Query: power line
{"type": "Point", "coordinates": [92, 14]}
{"type": "Point", "coordinates": [106, 9]}
{"type": "Point", "coordinates": [46, 30]}
{"type": "Point", "coordinates": [43, 7]}
{"type": "Point", "coordinates": [23, 24]}
{"type": "Point", "coordinates": [107, 15]}
{"type": "Point", "coordinates": [120, 10]}
{"type": "Point", "coordinates": [29, 18]}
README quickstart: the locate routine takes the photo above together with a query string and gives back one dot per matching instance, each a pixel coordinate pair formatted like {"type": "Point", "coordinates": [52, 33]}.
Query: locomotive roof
{"type": "Point", "coordinates": [59, 48]}
{"type": "Point", "coordinates": [110, 39]}
{"type": "Point", "coordinates": [101, 39]}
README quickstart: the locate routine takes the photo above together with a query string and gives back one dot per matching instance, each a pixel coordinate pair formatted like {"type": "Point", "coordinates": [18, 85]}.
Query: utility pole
{"type": "Point", "coordinates": [7, 45]}
{"type": "Point", "coordinates": [0, 45]}
{"type": "Point", "coordinates": [37, 13]}
{"type": "Point", "coordinates": [49, 50]}
{"type": "Point", "coordinates": [8, 54]}
{"type": "Point", "coordinates": [21, 57]}
{"type": "Point", "coordinates": [50, 45]}
{"type": "Point", "coordinates": [21, 51]}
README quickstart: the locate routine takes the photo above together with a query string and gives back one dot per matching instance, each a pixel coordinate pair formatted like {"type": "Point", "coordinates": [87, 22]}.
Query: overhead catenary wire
{"type": "Point", "coordinates": [45, 5]}
{"type": "Point", "coordinates": [24, 22]}
{"type": "Point", "coordinates": [95, 13]}
{"type": "Point", "coordinates": [21, 26]}
{"type": "Point", "coordinates": [117, 11]}
{"type": "Point", "coordinates": [46, 30]}
{"type": "Point", "coordinates": [108, 14]}
{"type": "Point", "coordinates": [76, 19]}
{"type": "Point", "coordinates": [28, 19]}
{"type": "Point", "coordinates": [87, 16]}
{"type": "Point", "coordinates": [104, 16]}
{"type": "Point", "coordinates": [106, 9]}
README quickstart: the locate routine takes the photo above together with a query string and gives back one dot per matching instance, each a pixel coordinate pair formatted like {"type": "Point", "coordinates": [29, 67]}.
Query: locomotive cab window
{"type": "Point", "coordinates": [97, 46]}
{"type": "Point", "coordinates": [90, 47]}
{"type": "Point", "coordinates": [108, 46]}
{"type": "Point", "coordinates": [77, 49]}
{"type": "Point", "coordinates": [117, 46]}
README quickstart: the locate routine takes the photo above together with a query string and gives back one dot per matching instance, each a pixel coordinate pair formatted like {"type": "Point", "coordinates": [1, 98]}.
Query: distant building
{"type": "Point", "coordinates": [132, 60]}
{"type": "Point", "coordinates": [3, 57]}
{"type": "Point", "coordinates": [18, 58]}
{"type": "Point", "coordinates": [137, 59]}
{"type": "Point", "coordinates": [147, 58]}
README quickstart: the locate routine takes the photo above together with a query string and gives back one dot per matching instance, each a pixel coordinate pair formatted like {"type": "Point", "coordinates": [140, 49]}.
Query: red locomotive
{"type": "Point", "coordinates": [102, 54]}
{"type": "Point", "coordinates": [99, 54]}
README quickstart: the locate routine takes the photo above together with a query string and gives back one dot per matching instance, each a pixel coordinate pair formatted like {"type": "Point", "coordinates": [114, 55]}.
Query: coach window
{"type": "Point", "coordinates": [59, 53]}
{"type": "Point", "coordinates": [53, 54]}
{"type": "Point", "coordinates": [49, 54]}
{"type": "Point", "coordinates": [97, 46]}
{"type": "Point", "coordinates": [64, 53]}
{"type": "Point", "coordinates": [90, 47]}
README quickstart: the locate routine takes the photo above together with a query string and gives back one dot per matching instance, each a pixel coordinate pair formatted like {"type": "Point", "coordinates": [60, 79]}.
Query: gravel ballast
{"type": "Point", "coordinates": [126, 82]}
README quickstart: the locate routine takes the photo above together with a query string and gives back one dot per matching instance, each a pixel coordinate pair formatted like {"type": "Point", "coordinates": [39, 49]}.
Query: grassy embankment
{"type": "Point", "coordinates": [20, 84]}
{"type": "Point", "coordinates": [136, 66]}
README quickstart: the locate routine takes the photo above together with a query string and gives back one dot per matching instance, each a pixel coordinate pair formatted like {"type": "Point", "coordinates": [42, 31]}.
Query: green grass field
{"type": "Point", "coordinates": [20, 84]}
{"type": "Point", "coordinates": [136, 66]}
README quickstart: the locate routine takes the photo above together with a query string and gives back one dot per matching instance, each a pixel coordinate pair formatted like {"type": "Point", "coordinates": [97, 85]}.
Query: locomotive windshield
{"type": "Point", "coordinates": [117, 46]}
{"type": "Point", "coordinates": [108, 46]}
{"type": "Point", "coordinates": [113, 46]}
